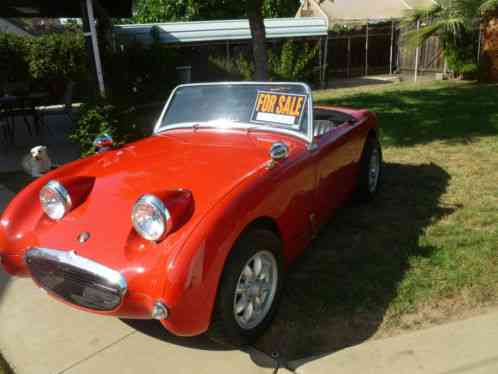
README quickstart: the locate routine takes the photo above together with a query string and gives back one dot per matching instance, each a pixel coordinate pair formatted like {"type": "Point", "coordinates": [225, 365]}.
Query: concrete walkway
{"type": "Point", "coordinates": [54, 137]}
{"type": "Point", "coordinates": [464, 347]}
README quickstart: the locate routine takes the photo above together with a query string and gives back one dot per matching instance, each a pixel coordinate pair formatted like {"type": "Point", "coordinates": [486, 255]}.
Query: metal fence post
{"type": "Point", "coordinates": [366, 49]}
{"type": "Point", "coordinates": [479, 43]}
{"type": "Point", "coordinates": [391, 52]}
{"type": "Point", "coordinates": [325, 61]}
{"type": "Point", "coordinates": [417, 55]}
{"type": "Point", "coordinates": [348, 68]}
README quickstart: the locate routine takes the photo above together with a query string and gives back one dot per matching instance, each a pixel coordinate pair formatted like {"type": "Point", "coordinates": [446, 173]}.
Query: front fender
{"type": "Point", "coordinates": [194, 272]}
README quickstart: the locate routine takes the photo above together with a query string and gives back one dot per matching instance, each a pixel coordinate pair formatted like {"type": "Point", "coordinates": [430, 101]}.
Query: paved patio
{"type": "Point", "coordinates": [61, 150]}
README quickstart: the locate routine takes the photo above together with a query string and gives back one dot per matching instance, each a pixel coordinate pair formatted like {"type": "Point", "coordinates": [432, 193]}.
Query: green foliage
{"type": "Point", "coordinates": [280, 8]}
{"type": "Point", "coordinates": [489, 8]}
{"type": "Point", "coordinates": [103, 118]}
{"type": "Point", "coordinates": [293, 62]}
{"type": "Point", "coordinates": [141, 73]}
{"type": "Point", "coordinates": [14, 53]}
{"type": "Point", "coordinates": [246, 68]}
{"type": "Point", "coordinates": [460, 52]}
{"type": "Point", "coordinates": [149, 11]}
{"type": "Point", "coordinates": [59, 57]}
{"type": "Point", "coordinates": [455, 24]}
{"type": "Point", "coordinates": [234, 70]}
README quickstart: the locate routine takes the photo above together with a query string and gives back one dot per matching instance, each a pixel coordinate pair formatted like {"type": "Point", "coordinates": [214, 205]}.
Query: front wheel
{"type": "Point", "coordinates": [250, 289]}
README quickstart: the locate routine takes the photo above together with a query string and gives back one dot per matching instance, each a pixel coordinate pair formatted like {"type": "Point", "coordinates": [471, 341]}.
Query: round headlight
{"type": "Point", "coordinates": [55, 200]}
{"type": "Point", "coordinates": [151, 219]}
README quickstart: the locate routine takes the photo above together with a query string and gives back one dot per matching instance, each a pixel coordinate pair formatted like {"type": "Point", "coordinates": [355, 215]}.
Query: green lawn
{"type": "Point", "coordinates": [427, 249]}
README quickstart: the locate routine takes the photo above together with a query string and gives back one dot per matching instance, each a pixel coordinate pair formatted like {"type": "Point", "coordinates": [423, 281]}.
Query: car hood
{"type": "Point", "coordinates": [209, 164]}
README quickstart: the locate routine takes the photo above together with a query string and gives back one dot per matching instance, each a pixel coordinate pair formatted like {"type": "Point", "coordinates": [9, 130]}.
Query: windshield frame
{"type": "Point", "coordinates": [307, 137]}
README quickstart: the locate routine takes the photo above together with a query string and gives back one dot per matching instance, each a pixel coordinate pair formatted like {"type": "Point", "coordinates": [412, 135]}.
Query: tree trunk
{"type": "Point", "coordinates": [258, 32]}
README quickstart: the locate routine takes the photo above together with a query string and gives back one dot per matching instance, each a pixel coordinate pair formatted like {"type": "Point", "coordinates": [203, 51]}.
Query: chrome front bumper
{"type": "Point", "coordinates": [76, 279]}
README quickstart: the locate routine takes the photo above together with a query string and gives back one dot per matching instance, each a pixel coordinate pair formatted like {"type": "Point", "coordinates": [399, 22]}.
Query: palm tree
{"type": "Point", "coordinates": [448, 18]}
{"type": "Point", "coordinates": [454, 22]}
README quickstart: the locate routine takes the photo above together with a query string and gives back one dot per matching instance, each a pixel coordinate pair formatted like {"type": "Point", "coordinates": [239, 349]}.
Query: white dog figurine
{"type": "Point", "coordinates": [37, 161]}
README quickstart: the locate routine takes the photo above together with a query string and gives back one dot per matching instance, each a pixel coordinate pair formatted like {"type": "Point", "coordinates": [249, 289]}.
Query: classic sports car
{"type": "Point", "coordinates": [195, 225]}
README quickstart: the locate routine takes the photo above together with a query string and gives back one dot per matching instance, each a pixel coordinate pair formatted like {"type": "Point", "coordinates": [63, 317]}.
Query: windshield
{"type": "Point", "coordinates": [282, 106]}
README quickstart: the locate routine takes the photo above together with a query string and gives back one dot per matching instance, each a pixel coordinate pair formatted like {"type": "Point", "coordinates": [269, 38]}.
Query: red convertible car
{"type": "Point", "coordinates": [195, 225]}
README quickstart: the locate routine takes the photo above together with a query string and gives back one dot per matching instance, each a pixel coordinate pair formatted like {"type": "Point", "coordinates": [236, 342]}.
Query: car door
{"type": "Point", "coordinates": [334, 166]}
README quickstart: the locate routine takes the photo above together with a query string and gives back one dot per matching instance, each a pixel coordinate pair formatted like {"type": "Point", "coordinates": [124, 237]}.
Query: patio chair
{"type": "Point", "coordinates": [66, 109]}
{"type": "Point", "coordinates": [6, 131]}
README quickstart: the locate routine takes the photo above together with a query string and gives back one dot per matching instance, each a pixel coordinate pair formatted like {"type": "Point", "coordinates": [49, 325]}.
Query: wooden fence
{"type": "Point", "coordinates": [367, 50]}
{"type": "Point", "coordinates": [422, 62]}
{"type": "Point", "coordinates": [381, 49]}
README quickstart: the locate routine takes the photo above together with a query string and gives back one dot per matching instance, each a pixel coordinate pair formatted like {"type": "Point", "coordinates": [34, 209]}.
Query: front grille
{"type": "Point", "coordinates": [75, 279]}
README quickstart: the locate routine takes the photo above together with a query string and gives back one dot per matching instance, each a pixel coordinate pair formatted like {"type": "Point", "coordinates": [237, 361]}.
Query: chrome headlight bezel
{"type": "Point", "coordinates": [60, 197]}
{"type": "Point", "coordinates": [158, 215]}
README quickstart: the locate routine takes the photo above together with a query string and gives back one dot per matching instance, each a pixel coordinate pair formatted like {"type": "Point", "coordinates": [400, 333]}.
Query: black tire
{"type": "Point", "coordinates": [224, 327]}
{"type": "Point", "coordinates": [364, 192]}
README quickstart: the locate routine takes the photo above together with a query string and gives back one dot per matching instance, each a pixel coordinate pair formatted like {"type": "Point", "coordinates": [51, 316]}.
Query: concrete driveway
{"type": "Point", "coordinates": [39, 335]}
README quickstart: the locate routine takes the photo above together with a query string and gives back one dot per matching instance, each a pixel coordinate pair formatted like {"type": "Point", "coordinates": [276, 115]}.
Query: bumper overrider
{"type": "Point", "coordinates": [77, 280]}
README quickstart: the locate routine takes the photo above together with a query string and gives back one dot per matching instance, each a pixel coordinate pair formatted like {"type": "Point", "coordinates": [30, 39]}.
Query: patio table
{"type": "Point", "coordinates": [24, 106]}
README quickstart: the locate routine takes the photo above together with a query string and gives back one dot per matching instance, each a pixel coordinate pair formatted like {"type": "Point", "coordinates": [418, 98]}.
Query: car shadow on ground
{"type": "Point", "coordinates": [4, 283]}
{"type": "Point", "coordinates": [337, 294]}
{"type": "Point", "coordinates": [155, 330]}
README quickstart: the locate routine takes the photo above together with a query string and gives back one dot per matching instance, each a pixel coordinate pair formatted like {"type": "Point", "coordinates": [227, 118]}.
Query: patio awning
{"type": "Point", "coordinates": [222, 30]}
{"type": "Point", "coordinates": [58, 9]}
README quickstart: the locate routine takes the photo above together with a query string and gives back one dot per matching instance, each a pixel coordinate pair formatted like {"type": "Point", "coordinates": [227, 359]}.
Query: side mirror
{"type": "Point", "coordinates": [279, 151]}
{"type": "Point", "coordinates": [103, 143]}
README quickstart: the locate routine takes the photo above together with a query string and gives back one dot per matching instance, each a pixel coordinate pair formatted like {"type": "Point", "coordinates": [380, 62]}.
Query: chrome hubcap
{"type": "Point", "coordinates": [256, 289]}
{"type": "Point", "coordinates": [374, 170]}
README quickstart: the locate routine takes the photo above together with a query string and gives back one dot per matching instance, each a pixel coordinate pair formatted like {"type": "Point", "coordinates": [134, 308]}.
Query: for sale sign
{"type": "Point", "coordinates": [279, 108]}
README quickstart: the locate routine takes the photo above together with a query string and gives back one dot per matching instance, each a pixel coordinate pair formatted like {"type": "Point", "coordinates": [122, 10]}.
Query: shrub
{"type": "Point", "coordinates": [141, 73]}
{"type": "Point", "coordinates": [14, 57]}
{"type": "Point", "coordinates": [238, 69]}
{"type": "Point", "coordinates": [294, 62]}
{"type": "Point", "coordinates": [58, 57]}
{"type": "Point", "coordinates": [291, 61]}
{"type": "Point", "coordinates": [103, 118]}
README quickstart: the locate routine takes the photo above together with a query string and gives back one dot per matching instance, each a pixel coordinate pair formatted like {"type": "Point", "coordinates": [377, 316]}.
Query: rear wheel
{"type": "Point", "coordinates": [249, 291]}
{"type": "Point", "coordinates": [370, 170]}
